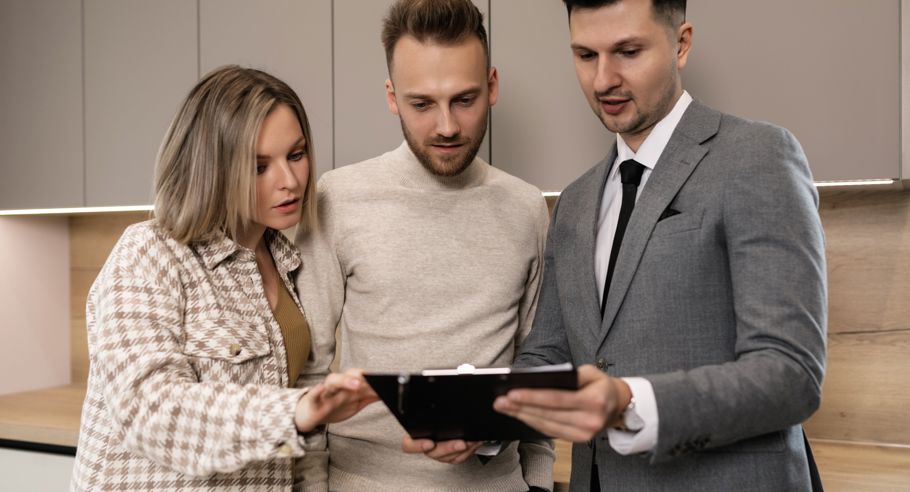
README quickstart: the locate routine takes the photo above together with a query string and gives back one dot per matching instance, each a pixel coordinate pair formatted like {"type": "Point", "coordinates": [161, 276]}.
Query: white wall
{"type": "Point", "coordinates": [34, 303]}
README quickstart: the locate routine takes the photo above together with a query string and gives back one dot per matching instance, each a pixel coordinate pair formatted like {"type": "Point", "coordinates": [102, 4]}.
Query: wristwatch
{"type": "Point", "coordinates": [631, 421]}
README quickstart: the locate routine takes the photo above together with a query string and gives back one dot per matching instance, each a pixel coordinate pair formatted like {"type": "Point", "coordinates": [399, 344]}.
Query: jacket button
{"type": "Point", "coordinates": [601, 363]}
{"type": "Point", "coordinates": [235, 349]}
{"type": "Point", "coordinates": [285, 450]}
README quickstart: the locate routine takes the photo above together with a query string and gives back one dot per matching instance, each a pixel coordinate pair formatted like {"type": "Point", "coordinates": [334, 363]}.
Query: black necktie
{"type": "Point", "coordinates": [630, 174]}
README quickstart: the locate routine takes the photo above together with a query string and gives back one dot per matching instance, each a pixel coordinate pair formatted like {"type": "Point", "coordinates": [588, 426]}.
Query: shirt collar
{"type": "Point", "coordinates": [655, 143]}
{"type": "Point", "coordinates": [215, 251]}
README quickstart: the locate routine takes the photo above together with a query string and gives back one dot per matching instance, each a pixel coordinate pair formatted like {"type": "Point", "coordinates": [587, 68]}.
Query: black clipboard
{"type": "Point", "coordinates": [445, 404]}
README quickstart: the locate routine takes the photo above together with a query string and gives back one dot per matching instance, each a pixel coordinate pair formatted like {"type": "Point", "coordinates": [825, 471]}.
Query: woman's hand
{"type": "Point", "coordinates": [337, 398]}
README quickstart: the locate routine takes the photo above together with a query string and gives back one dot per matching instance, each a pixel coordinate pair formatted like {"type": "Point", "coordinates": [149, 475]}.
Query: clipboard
{"type": "Point", "coordinates": [445, 404]}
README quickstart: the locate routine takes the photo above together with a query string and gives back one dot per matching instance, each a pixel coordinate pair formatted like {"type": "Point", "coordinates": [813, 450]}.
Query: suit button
{"type": "Point", "coordinates": [601, 363]}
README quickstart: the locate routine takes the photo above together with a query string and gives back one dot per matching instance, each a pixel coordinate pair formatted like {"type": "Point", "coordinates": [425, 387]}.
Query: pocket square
{"type": "Point", "coordinates": [669, 212]}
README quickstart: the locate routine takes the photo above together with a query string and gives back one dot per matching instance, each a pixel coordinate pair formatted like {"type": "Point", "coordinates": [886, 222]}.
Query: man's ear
{"type": "Point", "coordinates": [683, 44]}
{"type": "Point", "coordinates": [390, 96]}
{"type": "Point", "coordinates": [493, 85]}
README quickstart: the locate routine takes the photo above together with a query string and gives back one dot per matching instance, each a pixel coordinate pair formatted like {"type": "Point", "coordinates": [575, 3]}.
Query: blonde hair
{"type": "Point", "coordinates": [205, 177]}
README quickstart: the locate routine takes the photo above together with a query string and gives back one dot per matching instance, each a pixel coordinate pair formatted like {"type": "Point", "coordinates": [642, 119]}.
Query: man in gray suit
{"type": "Point", "coordinates": [685, 274]}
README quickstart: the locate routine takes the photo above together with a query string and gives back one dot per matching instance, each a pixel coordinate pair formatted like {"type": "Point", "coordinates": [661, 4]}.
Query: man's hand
{"type": "Point", "coordinates": [337, 398]}
{"type": "Point", "coordinates": [576, 416]}
{"type": "Point", "coordinates": [452, 452]}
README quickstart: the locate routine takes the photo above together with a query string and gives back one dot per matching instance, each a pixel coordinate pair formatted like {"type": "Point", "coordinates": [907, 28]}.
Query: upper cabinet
{"type": "Point", "coordinates": [88, 88]}
{"type": "Point", "coordinates": [141, 59]}
{"type": "Point", "coordinates": [828, 71]}
{"type": "Point", "coordinates": [289, 39]}
{"type": "Point", "coordinates": [364, 127]}
{"type": "Point", "coordinates": [41, 101]}
{"type": "Point", "coordinates": [543, 129]}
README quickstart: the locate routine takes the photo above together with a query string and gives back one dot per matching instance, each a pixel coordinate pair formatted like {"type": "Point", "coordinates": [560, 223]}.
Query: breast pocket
{"type": "Point", "coordinates": [683, 222]}
{"type": "Point", "coordinates": [229, 350]}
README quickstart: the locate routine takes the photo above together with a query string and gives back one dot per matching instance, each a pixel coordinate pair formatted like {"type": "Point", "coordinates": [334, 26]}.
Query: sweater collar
{"type": "Point", "coordinates": [414, 175]}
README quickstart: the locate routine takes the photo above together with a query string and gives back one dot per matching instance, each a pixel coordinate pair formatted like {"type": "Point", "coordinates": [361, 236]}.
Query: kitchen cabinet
{"type": "Point", "coordinates": [289, 39]}
{"type": "Point", "coordinates": [141, 59]}
{"type": "Point", "coordinates": [41, 97]}
{"type": "Point", "coordinates": [543, 129]}
{"type": "Point", "coordinates": [828, 71]}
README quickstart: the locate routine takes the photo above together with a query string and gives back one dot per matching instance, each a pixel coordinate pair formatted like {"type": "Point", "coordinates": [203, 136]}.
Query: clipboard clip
{"type": "Point", "coordinates": [403, 380]}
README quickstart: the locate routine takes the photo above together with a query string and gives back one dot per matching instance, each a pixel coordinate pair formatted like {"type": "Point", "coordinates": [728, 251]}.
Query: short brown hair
{"type": "Point", "coordinates": [441, 21]}
{"type": "Point", "coordinates": [205, 177]}
{"type": "Point", "coordinates": [671, 12]}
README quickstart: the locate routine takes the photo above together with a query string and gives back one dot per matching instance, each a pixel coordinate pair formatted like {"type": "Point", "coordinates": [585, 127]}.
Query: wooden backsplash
{"type": "Point", "coordinates": [865, 394]}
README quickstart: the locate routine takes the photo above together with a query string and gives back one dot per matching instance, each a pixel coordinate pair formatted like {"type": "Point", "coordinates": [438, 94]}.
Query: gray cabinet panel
{"type": "Point", "coordinates": [141, 59]}
{"type": "Point", "coordinates": [41, 101]}
{"type": "Point", "coordinates": [364, 127]}
{"type": "Point", "coordinates": [543, 129]}
{"type": "Point", "coordinates": [287, 38]}
{"type": "Point", "coordinates": [827, 70]}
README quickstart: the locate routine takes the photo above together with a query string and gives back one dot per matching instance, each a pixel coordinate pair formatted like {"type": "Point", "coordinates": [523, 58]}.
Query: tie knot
{"type": "Point", "coordinates": [630, 172]}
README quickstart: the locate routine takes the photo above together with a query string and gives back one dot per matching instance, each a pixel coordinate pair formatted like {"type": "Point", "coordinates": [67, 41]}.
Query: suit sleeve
{"type": "Point", "coordinates": [775, 248]}
{"type": "Point", "coordinates": [547, 342]}
{"type": "Point", "coordinates": [536, 457]}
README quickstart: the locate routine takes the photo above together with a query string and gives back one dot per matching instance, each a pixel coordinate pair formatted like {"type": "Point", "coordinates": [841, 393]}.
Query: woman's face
{"type": "Point", "coordinates": [282, 169]}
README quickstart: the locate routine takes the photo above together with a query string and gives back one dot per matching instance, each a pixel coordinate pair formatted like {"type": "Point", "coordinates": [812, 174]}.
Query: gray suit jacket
{"type": "Point", "coordinates": [722, 307]}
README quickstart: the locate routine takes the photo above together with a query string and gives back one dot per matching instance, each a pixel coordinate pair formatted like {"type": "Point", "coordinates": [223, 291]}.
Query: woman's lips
{"type": "Point", "coordinates": [288, 206]}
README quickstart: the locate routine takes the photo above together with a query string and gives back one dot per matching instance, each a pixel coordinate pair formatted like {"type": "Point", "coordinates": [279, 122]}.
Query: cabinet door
{"type": "Point", "coordinates": [141, 59]}
{"type": "Point", "coordinates": [543, 129]}
{"type": "Point", "coordinates": [364, 127]}
{"type": "Point", "coordinates": [828, 71]}
{"type": "Point", "coordinates": [289, 39]}
{"type": "Point", "coordinates": [41, 101]}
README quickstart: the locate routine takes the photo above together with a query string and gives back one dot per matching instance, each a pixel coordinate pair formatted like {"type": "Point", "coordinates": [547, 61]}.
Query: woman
{"type": "Point", "coordinates": [198, 344]}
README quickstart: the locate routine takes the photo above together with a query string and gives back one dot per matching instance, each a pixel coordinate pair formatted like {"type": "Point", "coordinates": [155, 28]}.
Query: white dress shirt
{"type": "Point", "coordinates": [649, 152]}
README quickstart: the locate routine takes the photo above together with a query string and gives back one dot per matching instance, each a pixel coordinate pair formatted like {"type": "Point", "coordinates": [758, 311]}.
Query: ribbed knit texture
{"type": "Point", "coordinates": [296, 333]}
{"type": "Point", "coordinates": [421, 271]}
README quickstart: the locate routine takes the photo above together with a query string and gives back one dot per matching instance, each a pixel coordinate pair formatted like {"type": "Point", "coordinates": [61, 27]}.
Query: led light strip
{"type": "Point", "coordinates": [818, 184]}
{"type": "Point", "coordinates": [75, 210]}
{"type": "Point", "coordinates": [147, 208]}
{"type": "Point", "coordinates": [859, 182]}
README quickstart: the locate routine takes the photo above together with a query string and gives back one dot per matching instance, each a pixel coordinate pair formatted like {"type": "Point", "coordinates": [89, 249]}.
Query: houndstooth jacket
{"type": "Point", "coordinates": [188, 384]}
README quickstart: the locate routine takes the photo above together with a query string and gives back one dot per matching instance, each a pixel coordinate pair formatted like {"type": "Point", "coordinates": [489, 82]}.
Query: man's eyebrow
{"type": "Point", "coordinates": [616, 45]}
{"type": "Point", "coordinates": [466, 92]}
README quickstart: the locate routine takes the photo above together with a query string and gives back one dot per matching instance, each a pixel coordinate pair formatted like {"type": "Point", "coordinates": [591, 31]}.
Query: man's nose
{"type": "Point", "coordinates": [446, 125]}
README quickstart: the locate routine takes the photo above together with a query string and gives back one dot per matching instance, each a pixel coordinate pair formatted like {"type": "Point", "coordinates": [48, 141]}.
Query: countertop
{"type": "Point", "coordinates": [51, 417]}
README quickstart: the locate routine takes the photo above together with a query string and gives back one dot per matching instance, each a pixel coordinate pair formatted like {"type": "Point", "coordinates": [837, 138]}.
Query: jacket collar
{"type": "Point", "coordinates": [221, 248]}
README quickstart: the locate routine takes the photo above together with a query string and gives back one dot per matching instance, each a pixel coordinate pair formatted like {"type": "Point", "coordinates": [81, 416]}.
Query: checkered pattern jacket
{"type": "Point", "coordinates": [188, 384]}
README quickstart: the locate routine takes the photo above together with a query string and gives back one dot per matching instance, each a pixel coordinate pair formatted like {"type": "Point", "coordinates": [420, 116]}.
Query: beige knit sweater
{"type": "Point", "coordinates": [419, 271]}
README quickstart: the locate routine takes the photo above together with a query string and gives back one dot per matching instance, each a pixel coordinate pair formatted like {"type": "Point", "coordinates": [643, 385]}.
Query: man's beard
{"type": "Point", "coordinates": [452, 165]}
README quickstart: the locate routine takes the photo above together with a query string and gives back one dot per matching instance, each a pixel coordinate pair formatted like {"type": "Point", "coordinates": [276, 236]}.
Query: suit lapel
{"type": "Point", "coordinates": [679, 159]}
{"type": "Point", "coordinates": [584, 245]}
